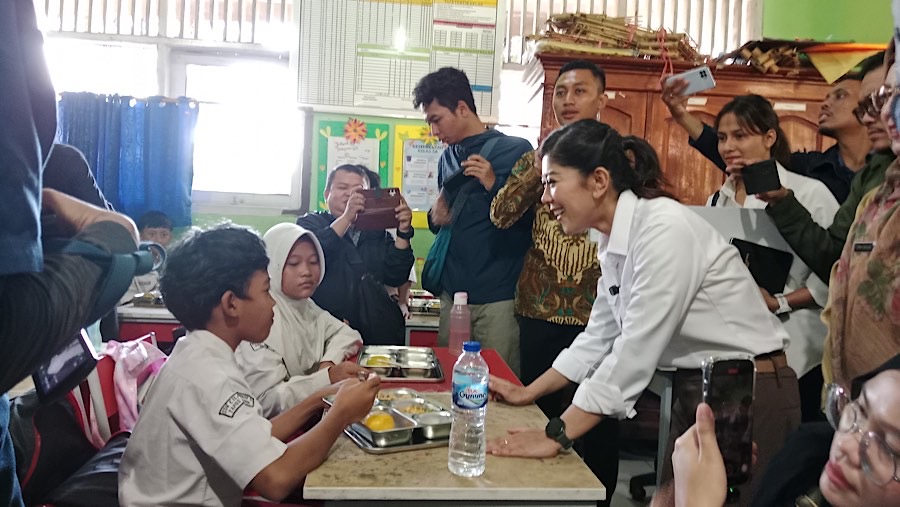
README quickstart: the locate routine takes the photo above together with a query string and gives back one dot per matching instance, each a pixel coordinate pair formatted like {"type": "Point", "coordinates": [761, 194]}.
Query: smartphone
{"type": "Point", "coordinates": [65, 369]}
{"type": "Point", "coordinates": [728, 387]}
{"type": "Point", "coordinates": [379, 213]}
{"type": "Point", "coordinates": [699, 79]}
{"type": "Point", "coordinates": [761, 177]}
{"type": "Point", "coordinates": [457, 180]}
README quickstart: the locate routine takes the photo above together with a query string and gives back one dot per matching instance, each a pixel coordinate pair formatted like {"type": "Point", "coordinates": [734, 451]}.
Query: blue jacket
{"type": "Point", "coordinates": [483, 260]}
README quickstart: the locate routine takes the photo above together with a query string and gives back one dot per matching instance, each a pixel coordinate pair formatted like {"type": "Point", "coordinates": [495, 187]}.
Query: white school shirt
{"type": "Point", "coordinates": [284, 370]}
{"type": "Point", "coordinates": [201, 437]}
{"type": "Point", "coordinates": [804, 325]}
{"type": "Point", "coordinates": [680, 294]}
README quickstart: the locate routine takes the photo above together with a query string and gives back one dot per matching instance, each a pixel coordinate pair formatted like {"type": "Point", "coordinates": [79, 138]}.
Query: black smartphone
{"type": "Point", "coordinates": [65, 369]}
{"type": "Point", "coordinates": [728, 388]}
{"type": "Point", "coordinates": [457, 180]}
{"type": "Point", "coordinates": [761, 177]}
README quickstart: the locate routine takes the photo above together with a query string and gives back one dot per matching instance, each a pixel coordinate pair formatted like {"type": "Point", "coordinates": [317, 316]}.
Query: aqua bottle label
{"type": "Point", "coordinates": [469, 395]}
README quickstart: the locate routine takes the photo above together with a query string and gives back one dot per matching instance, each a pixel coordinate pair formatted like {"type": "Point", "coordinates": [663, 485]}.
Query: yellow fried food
{"type": "Point", "coordinates": [378, 361]}
{"type": "Point", "coordinates": [413, 409]}
{"type": "Point", "coordinates": [379, 421]}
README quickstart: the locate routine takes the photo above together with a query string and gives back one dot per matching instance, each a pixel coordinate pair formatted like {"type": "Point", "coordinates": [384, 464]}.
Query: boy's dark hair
{"type": "Point", "coordinates": [586, 65]}
{"type": "Point", "coordinates": [446, 85]}
{"type": "Point", "coordinates": [205, 264]}
{"type": "Point", "coordinates": [350, 168]}
{"type": "Point", "coordinates": [155, 219]}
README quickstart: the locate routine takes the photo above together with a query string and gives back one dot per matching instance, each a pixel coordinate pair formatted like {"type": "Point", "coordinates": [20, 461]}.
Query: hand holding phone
{"type": "Point", "coordinates": [728, 388]}
{"type": "Point", "coordinates": [698, 80]}
{"type": "Point", "coordinates": [761, 177]}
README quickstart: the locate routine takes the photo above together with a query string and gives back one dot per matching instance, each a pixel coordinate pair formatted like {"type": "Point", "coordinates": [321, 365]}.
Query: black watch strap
{"type": "Point", "coordinates": [556, 429]}
{"type": "Point", "coordinates": [407, 235]}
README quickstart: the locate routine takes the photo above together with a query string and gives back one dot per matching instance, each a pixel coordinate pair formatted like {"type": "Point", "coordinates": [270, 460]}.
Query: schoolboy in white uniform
{"type": "Point", "coordinates": [201, 438]}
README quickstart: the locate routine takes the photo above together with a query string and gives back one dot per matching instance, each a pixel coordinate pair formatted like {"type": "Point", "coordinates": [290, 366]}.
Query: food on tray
{"type": "Point", "coordinates": [389, 396]}
{"type": "Point", "coordinates": [379, 421]}
{"type": "Point", "coordinates": [379, 361]}
{"type": "Point", "coordinates": [413, 409]}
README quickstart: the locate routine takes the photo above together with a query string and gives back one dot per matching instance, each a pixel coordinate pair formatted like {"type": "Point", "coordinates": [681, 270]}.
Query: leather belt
{"type": "Point", "coordinates": [771, 362]}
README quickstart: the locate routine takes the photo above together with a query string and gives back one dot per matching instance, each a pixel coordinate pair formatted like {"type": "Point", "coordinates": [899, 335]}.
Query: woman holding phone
{"type": "Point", "coordinates": [673, 293]}
{"type": "Point", "coordinates": [749, 133]}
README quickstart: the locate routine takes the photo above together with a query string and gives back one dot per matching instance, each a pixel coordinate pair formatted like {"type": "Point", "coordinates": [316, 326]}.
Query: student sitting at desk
{"type": "Point", "coordinates": [202, 438]}
{"type": "Point", "coordinates": [307, 347]}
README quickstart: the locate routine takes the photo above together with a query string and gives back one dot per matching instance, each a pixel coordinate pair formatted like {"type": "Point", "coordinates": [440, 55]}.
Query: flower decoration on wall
{"type": "Point", "coordinates": [427, 137]}
{"type": "Point", "coordinates": [355, 130]}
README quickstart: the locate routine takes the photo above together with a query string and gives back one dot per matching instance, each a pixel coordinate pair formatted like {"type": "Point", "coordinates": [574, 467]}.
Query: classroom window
{"type": "Point", "coordinates": [102, 67]}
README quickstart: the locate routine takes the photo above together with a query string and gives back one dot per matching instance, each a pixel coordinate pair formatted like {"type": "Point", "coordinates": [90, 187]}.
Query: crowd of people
{"type": "Point", "coordinates": [584, 323]}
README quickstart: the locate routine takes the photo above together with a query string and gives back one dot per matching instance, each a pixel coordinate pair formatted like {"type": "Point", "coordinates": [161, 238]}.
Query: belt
{"type": "Point", "coordinates": [771, 362]}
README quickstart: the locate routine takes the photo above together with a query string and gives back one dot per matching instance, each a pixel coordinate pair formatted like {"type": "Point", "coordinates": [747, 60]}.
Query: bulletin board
{"type": "Point", "coordinates": [366, 56]}
{"type": "Point", "coordinates": [403, 152]}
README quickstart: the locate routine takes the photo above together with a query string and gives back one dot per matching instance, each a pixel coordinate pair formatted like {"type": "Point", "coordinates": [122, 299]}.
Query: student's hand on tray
{"type": "Point", "coordinates": [345, 370]}
{"type": "Point", "coordinates": [354, 399]}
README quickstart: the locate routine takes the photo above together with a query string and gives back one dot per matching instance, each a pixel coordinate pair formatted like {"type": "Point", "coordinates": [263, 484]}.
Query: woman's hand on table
{"type": "Point", "coordinates": [507, 392]}
{"type": "Point", "coordinates": [525, 443]}
{"type": "Point", "coordinates": [345, 370]}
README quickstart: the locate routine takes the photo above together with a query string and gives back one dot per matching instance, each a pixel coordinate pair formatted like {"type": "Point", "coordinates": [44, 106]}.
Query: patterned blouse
{"type": "Point", "coordinates": [559, 279]}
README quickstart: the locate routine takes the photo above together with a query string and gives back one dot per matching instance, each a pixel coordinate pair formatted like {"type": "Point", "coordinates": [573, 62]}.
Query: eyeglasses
{"type": "Point", "coordinates": [873, 104]}
{"type": "Point", "coordinates": [879, 462]}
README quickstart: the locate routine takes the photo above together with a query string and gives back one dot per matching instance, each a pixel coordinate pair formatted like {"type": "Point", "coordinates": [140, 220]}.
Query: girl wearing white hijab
{"type": "Point", "coordinates": [307, 347]}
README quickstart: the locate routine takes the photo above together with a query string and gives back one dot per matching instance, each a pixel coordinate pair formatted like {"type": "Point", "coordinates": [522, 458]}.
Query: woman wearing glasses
{"type": "Point", "coordinates": [863, 463]}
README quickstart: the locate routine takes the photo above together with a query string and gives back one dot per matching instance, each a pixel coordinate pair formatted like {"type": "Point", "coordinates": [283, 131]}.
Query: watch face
{"type": "Point", "coordinates": [555, 427]}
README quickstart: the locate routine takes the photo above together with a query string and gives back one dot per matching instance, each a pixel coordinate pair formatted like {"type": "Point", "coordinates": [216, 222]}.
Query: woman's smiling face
{"type": "Point", "coordinates": [570, 196]}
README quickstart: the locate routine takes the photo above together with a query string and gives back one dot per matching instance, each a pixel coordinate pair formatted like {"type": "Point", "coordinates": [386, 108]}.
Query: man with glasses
{"type": "Point", "coordinates": [820, 248]}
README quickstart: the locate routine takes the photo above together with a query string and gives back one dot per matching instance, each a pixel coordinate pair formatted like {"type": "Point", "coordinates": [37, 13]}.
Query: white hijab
{"type": "Point", "coordinates": [285, 369]}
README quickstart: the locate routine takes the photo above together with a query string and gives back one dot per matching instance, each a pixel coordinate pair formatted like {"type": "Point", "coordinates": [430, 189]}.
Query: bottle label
{"type": "Point", "coordinates": [468, 395]}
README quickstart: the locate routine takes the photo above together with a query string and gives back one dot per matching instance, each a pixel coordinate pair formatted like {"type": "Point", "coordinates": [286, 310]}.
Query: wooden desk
{"type": "Point", "coordinates": [350, 477]}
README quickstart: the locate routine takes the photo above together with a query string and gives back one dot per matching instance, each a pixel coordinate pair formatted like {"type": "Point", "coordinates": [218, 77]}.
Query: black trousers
{"type": "Point", "coordinates": [539, 344]}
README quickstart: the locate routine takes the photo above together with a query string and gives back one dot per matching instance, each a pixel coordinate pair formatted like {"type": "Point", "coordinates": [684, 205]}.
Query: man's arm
{"type": "Point", "coordinates": [332, 243]}
{"type": "Point", "coordinates": [520, 192]}
{"type": "Point", "coordinates": [397, 262]}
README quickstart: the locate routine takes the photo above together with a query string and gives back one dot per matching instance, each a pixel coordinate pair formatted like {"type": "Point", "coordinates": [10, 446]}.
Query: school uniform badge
{"type": "Point", "coordinates": [235, 402]}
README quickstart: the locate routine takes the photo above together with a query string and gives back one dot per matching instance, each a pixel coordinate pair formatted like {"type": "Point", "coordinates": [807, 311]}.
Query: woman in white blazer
{"type": "Point", "coordinates": [672, 293]}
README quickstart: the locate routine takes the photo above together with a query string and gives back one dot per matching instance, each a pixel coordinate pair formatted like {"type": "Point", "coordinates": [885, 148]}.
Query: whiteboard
{"type": "Point", "coordinates": [366, 56]}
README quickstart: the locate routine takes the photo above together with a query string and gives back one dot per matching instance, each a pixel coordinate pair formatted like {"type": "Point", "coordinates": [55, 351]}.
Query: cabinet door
{"type": "Point", "coordinates": [692, 177]}
{"type": "Point", "coordinates": [625, 111]}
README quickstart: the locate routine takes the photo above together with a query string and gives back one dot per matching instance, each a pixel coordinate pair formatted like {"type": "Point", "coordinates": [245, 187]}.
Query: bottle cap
{"type": "Point", "coordinates": [461, 298]}
{"type": "Point", "coordinates": [472, 346]}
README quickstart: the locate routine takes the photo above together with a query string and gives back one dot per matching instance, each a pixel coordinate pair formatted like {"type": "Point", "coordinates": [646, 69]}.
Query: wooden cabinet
{"type": "Point", "coordinates": [635, 107]}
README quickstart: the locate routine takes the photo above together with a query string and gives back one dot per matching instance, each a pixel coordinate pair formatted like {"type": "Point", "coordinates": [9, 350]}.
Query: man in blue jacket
{"type": "Point", "coordinates": [481, 259]}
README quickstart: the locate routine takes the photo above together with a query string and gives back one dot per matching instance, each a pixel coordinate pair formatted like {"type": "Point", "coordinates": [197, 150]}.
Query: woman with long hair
{"type": "Point", "coordinates": [673, 293]}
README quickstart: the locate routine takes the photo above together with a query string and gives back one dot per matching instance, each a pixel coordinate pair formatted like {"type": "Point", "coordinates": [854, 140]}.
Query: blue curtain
{"type": "Point", "coordinates": [140, 150]}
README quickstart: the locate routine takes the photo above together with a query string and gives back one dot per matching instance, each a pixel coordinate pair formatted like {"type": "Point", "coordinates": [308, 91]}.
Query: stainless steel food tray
{"type": "Point", "coordinates": [417, 443]}
{"type": "Point", "coordinates": [402, 363]}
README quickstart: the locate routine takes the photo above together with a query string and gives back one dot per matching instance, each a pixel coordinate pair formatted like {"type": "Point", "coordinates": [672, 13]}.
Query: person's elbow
{"type": "Point", "coordinates": [275, 482]}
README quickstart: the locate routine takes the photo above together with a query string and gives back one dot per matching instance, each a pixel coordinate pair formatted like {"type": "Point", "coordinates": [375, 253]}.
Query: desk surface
{"type": "Point", "coordinates": [350, 474]}
{"type": "Point", "coordinates": [131, 313]}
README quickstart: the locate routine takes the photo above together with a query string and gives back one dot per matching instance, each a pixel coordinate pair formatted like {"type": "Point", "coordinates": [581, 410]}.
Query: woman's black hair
{"type": "Point", "coordinates": [646, 164]}
{"type": "Point", "coordinates": [588, 144]}
{"type": "Point", "coordinates": [756, 115]}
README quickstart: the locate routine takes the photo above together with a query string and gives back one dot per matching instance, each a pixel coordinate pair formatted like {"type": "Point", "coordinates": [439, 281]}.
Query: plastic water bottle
{"type": "Point", "coordinates": [460, 323]}
{"type": "Point", "coordinates": [470, 392]}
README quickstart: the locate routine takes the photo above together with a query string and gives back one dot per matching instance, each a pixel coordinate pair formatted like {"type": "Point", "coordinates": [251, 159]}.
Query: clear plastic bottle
{"type": "Point", "coordinates": [460, 323]}
{"type": "Point", "coordinates": [466, 457]}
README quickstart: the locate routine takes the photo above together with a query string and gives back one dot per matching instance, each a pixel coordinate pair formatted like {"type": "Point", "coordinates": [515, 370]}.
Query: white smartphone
{"type": "Point", "coordinates": [699, 79]}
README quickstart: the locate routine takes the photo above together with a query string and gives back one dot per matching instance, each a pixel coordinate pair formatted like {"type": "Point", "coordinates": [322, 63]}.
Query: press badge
{"type": "Point", "coordinates": [863, 247]}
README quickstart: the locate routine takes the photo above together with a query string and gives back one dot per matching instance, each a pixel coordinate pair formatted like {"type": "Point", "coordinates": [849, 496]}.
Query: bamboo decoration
{"type": "Point", "coordinates": [599, 33]}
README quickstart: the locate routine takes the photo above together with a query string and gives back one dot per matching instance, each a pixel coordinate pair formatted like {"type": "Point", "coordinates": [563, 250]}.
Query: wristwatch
{"type": "Point", "coordinates": [556, 429]}
{"type": "Point", "coordinates": [783, 306]}
{"type": "Point", "coordinates": [407, 235]}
